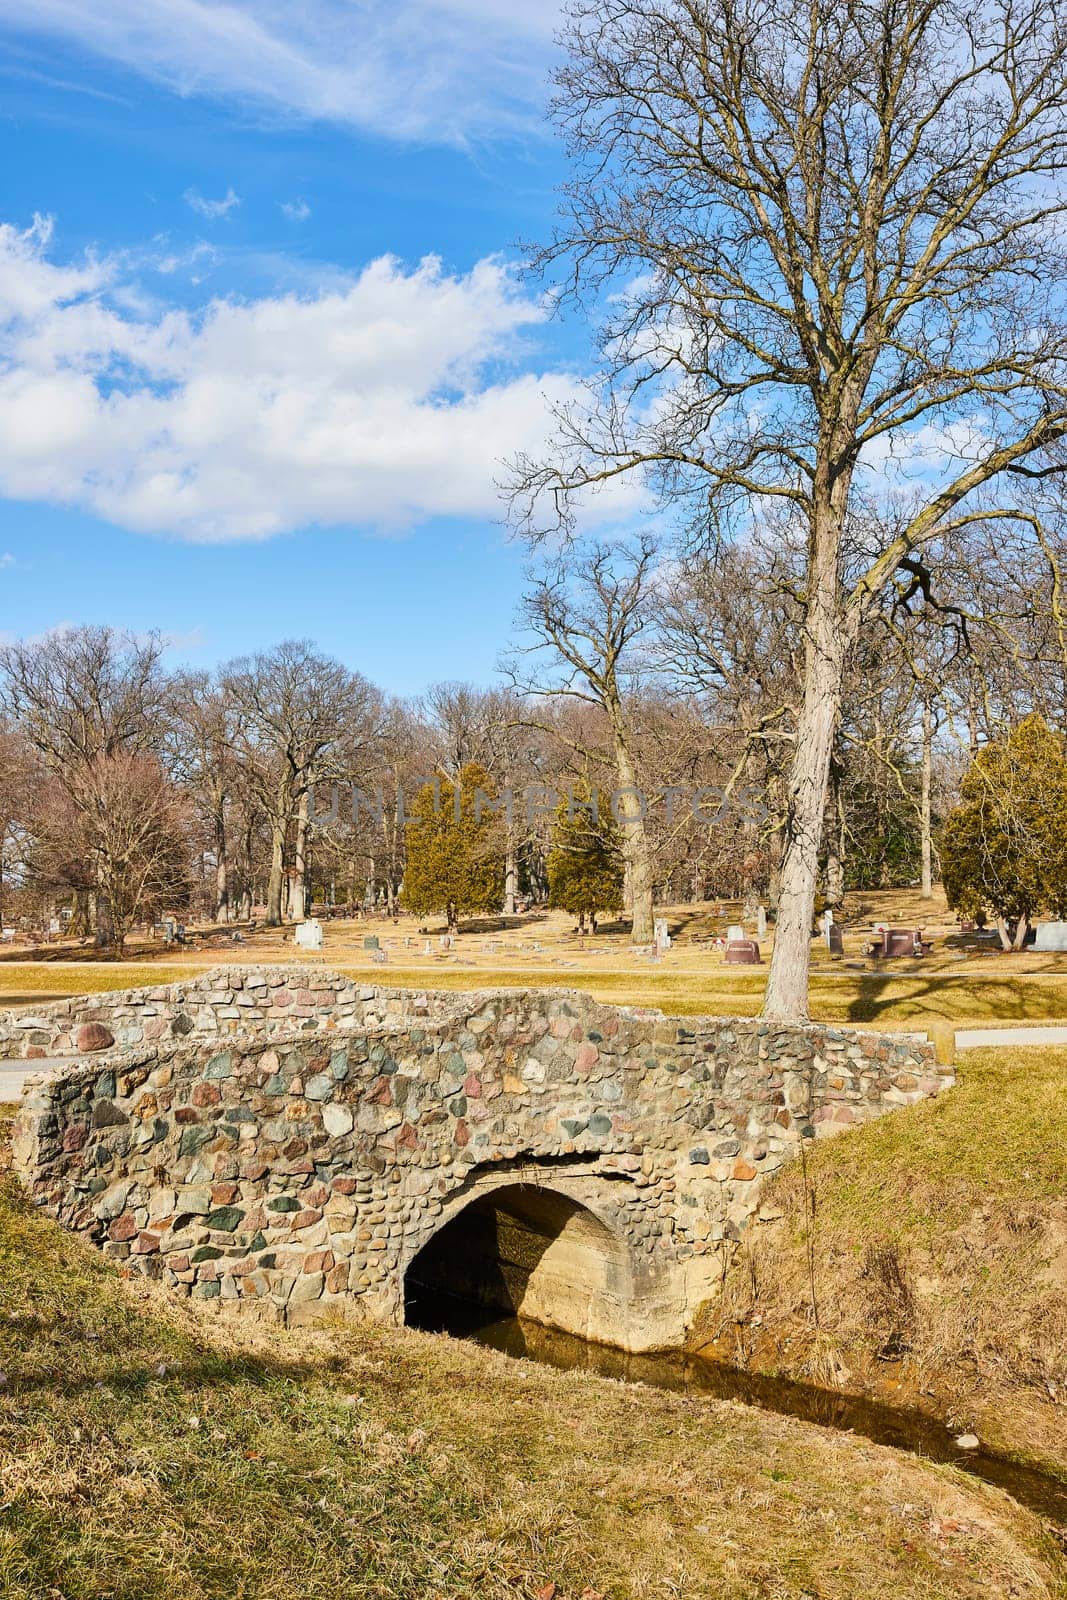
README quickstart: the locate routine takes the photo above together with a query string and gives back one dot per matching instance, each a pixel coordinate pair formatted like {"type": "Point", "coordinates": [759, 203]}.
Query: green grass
{"type": "Point", "coordinates": [148, 1455]}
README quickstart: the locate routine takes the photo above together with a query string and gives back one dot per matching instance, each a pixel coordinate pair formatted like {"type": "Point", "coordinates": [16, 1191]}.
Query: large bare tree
{"type": "Point", "coordinates": [303, 719]}
{"type": "Point", "coordinates": [829, 238]}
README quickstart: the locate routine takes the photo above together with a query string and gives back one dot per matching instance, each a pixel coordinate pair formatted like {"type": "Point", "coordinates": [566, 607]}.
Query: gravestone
{"type": "Point", "coordinates": [734, 931]}
{"type": "Point", "coordinates": [742, 953]}
{"type": "Point", "coordinates": [662, 937]}
{"type": "Point", "coordinates": [308, 935]}
{"type": "Point", "coordinates": [761, 922]}
{"type": "Point", "coordinates": [370, 941]}
{"type": "Point", "coordinates": [1051, 936]}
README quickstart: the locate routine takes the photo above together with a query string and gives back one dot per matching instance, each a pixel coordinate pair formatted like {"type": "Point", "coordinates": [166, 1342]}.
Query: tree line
{"type": "Point", "coordinates": [642, 731]}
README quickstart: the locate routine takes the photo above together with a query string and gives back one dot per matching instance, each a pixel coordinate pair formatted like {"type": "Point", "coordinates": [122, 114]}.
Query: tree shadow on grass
{"type": "Point", "coordinates": [938, 998]}
{"type": "Point", "coordinates": [133, 1378]}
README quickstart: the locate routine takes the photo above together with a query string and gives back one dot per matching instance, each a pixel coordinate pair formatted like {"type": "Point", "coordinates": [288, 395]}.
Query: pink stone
{"type": "Point", "coordinates": [281, 997]}
{"type": "Point", "coordinates": [587, 1057]}
{"type": "Point", "coordinates": [93, 1036]}
{"type": "Point", "coordinates": [472, 1087]}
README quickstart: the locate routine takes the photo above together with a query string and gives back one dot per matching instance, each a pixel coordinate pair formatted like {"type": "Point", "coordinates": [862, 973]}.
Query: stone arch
{"type": "Point", "coordinates": [544, 1250]}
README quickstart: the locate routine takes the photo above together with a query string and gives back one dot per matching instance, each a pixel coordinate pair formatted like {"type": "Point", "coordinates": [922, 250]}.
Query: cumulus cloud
{"type": "Point", "coordinates": [295, 210]}
{"type": "Point", "coordinates": [211, 208]}
{"type": "Point", "coordinates": [440, 70]}
{"type": "Point", "coordinates": [378, 402]}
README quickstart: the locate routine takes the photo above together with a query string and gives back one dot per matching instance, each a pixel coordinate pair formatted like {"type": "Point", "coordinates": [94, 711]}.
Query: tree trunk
{"type": "Point", "coordinates": [926, 812]}
{"type": "Point", "coordinates": [276, 881]}
{"type": "Point", "coordinates": [636, 854]}
{"type": "Point", "coordinates": [824, 655]}
{"type": "Point", "coordinates": [298, 897]}
{"type": "Point", "coordinates": [222, 882]}
{"type": "Point", "coordinates": [511, 877]}
{"type": "Point", "coordinates": [835, 848]}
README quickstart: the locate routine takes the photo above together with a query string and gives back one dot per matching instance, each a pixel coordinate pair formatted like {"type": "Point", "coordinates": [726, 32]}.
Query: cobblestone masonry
{"type": "Point", "coordinates": [298, 1157]}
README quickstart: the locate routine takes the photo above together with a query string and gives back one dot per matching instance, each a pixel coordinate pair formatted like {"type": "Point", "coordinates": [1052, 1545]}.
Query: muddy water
{"type": "Point", "coordinates": [692, 1374]}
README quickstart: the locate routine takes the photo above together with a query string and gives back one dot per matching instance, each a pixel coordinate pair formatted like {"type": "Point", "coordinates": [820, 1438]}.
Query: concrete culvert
{"type": "Point", "coordinates": [522, 1251]}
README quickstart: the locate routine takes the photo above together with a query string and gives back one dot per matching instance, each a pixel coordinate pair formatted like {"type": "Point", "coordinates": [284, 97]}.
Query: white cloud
{"type": "Point", "coordinates": [211, 208]}
{"type": "Point", "coordinates": [8, 560]}
{"type": "Point", "coordinates": [439, 70]}
{"type": "Point", "coordinates": [377, 402]}
{"type": "Point", "coordinates": [295, 210]}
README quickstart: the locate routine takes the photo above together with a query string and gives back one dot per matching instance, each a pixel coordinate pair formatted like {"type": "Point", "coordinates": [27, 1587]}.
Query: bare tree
{"type": "Point", "coordinates": [303, 719]}
{"type": "Point", "coordinates": [829, 232]}
{"type": "Point", "coordinates": [203, 744]}
{"type": "Point", "coordinates": [79, 696]}
{"type": "Point", "coordinates": [128, 832]}
{"type": "Point", "coordinates": [589, 613]}
{"type": "Point", "coordinates": [19, 782]}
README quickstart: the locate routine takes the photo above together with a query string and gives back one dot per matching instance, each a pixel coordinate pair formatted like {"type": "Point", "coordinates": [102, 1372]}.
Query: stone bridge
{"type": "Point", "coordinates": [294, 1142]}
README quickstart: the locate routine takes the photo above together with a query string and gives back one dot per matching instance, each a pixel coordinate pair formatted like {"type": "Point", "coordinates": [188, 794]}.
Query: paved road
{"type": "Point", "coordinates": [13, 1075]}
{"type": "Point", "coordinates": [987, 1038]}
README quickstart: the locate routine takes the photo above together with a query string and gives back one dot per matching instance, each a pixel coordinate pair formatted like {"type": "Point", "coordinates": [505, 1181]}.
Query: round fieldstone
{"type": "Point", "coordinates": [93, 1036]}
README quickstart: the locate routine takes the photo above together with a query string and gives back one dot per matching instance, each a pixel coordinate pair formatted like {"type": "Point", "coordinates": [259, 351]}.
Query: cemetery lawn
{"type": "Point", "coordinates": [938, 1247]}
{"type": "Point", "coordinates": [151, 1453]}
{"type": "Point", "coordinates": [910, 999]}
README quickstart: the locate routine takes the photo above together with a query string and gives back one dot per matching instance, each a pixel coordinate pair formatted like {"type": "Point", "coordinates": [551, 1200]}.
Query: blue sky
{"type": "Point", "coordinates": [262, 346]}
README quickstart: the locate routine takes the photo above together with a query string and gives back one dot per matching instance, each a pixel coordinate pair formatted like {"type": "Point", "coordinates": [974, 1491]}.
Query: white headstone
{"type": "Point", "coordinates": [734, 931]}
{"type": "Point", "coordinates": [308, 935]}
{"type": "Point", "coordinates": [1051, 936]}
{"type": "Point", "coordinates": [662, 937]}
{"type": "Point", "coordinates": [761, 922]}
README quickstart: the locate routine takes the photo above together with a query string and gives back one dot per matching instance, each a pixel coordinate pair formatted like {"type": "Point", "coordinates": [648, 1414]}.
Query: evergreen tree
{"type": "Point", "coordinates": [1004, 847]}
{"type": "Point", "coordinates": [455, 849]}
{"type": "Point", "coordinates": [585, 863]}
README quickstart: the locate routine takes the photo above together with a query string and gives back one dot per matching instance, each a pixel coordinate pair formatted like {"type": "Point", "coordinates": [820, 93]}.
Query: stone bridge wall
{"type": "Point", "coordinates": [303, 1170]}
{"type": "Point", "coordinates": [228, 1000]}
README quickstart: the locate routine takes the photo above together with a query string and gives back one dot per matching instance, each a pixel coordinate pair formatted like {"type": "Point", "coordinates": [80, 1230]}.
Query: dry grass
{"type": "Point", "coordinates": [900, 1000]}
{"type": "Point", "coordinates": [939, 1248]}
{"type": "Point", "coordinates": [963, 982]}
{"type": "Point", "coordinates": [146, 1454]}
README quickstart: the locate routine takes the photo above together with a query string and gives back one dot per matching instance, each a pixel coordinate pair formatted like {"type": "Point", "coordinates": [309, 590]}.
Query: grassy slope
{"type": "Point", "coordinates": [146, 1455]}
{"type": "Point", "coordinates": [939, 1238]}
{"type": "Point", "coordinates": [900, 1000]}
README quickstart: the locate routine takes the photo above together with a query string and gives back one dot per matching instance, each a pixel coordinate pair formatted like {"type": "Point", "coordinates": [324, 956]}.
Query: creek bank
{"type": "Point", "coordinates": [910, 1429]}
{"type": "Point", "coordinates": [923, 1261]}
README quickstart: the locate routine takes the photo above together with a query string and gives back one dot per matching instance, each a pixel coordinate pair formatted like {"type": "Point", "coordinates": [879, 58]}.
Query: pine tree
{"type": "Point", "coordinates": [585, 863]}
{"type": "Point", "coordinates": [455, 849]}
{"type": "Point", "coordinates": [1004, 847]}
